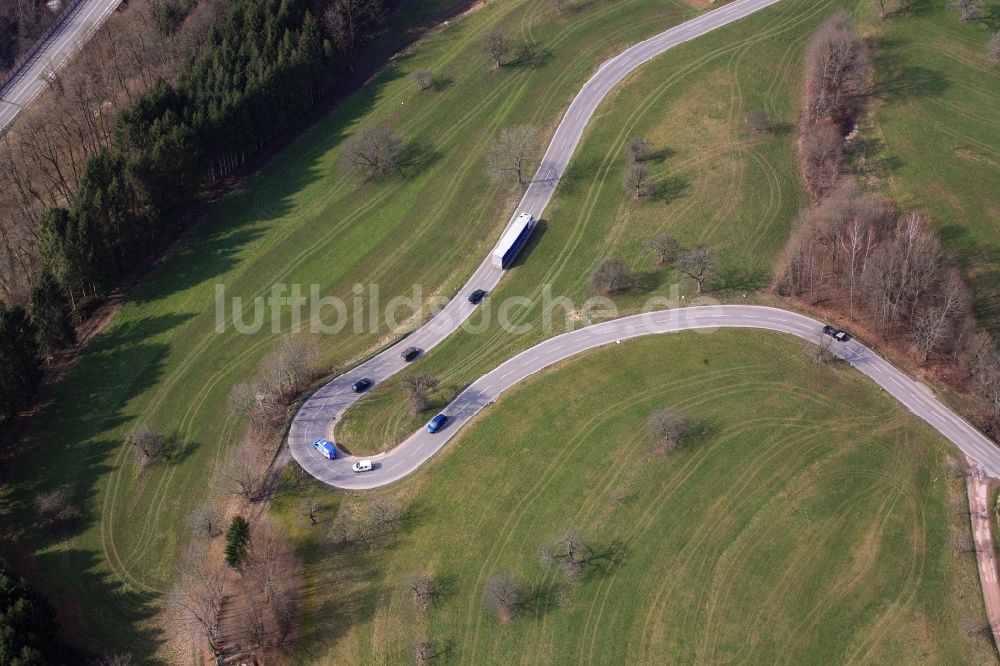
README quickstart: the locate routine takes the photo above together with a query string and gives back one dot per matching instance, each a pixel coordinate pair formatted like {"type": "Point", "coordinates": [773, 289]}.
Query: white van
{"type": "Point", "coordinates": [362, 466]}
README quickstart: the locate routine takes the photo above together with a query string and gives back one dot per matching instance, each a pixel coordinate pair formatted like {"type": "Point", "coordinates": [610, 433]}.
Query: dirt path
{"type": "Point", "coordinates": [979, 511]}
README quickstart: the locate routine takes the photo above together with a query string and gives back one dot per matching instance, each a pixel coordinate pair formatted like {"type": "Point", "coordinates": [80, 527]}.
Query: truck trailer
{"type": "Point", "coordinates": [512, 241]}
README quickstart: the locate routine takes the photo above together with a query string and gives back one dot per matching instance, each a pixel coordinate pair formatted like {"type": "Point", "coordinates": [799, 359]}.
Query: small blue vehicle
{"type": "Point", "coordinates": [325, 448]}
{"type": "Point", "coordinates": [437, 423]}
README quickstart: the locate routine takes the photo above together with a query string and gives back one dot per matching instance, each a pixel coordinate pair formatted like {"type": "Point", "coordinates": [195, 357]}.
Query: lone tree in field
{"type": "Point", "coordinates": [503, 595]}
{"type": "Point", "coordinates": [666, 429]}
{"type": "Point", "coordinates": [638, 149]}
{"type": "Point", "coordinates": [637, 180]}
{"type": "Point", "coordinates": [610, 276]}
{"type": "Point", "coordinates": [424, 78]}
{"type": "Point", "coordinates": [495, 45]}
{"type": "Point", "coordinates": [968, 10]}
{"type": "Point", "coordinates": [993, 51]}
{"type": "Point", "coordinates": [418, 387]}
{"type": "Point", "coordinates": [758, 122]}
{"type": "Point", "coordinates": [238, 543]}
{"type": "Point", "coordinates": [509, 157]}
{"type": "Point", "coordinates": [147, 445]}
{"type": "Point", "coordinates": [311, 508]}
{"type": "Point", "coordinates": [665, 248]}
{"type": "Point", "coordinates": [372, 152]}
{"type": "Point", "coordinates": [422, 589]}
{"type": "Point", "coordinates": [242, 473]}
{"type": "Point", "coordinates": [56, 507]}
{"type": "Point", "coordinates": [697, 264]}
{"type": "Point", "coordinates": [570, 551]}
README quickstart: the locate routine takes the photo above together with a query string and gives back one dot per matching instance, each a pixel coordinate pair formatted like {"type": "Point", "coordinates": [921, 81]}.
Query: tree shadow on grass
{"type": "Point", "coordinates": [899, 80]}
{"type": "Point", "coordinates": [531, 56]}
{"type": "Point", "coordinates": [741, 278]}
{"type": "Point", "coordinates": [648, 281]}
{"type": "Point", "coordinates": [417, 157]}
{"type": "Point", "coordinates": [668, 189]}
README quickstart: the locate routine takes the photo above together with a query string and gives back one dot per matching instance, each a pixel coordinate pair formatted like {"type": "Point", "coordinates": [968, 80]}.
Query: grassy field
{"type": "Point", "coordinates": [296, 221]}
{"type": "Point", "coordinates": [940, 138]}
{"type": "Point", "coordinates": [812, 521]}
{"type": "Point", "coordinates": [718, 184]}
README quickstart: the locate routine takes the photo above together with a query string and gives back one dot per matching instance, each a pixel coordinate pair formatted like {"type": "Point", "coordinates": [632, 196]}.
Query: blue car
{"type": "Point", "coordinates": [325, 448]}
{"type": "Point", "coordinates": [437, 423]}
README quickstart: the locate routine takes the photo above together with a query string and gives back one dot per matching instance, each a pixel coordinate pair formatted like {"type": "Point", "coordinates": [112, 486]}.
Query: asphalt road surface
{"type": "Point", "coordinates": [58, 48]}
{"type": "Point", "coordinates": [316, 418]}
{"type": "Point", "coordinates": [318, 414]}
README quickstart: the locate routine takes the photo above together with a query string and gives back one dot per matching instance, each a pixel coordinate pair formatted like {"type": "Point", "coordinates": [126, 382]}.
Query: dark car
{"type": "Point", "coordinates": [361, 385]}
{"type": "Point", "coordinates": [836, 333]}
{"type": "Point", "coordinates": [437, 423]}
{"type": "Point", "coordinates": [410, 353]}
{"type": "Point", "coordinates": [477, 296]}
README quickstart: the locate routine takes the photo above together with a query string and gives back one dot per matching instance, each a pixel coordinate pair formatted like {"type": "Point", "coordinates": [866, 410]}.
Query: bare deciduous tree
{"type": "Point", "coordinates": [373, 151]}
{"type": "Point", "coordinates": [344, 20]}
{"type": "Point", "coordinates": [311, 508]}
{"type": "Point", "coordinates": [610, 276]}
{"type": "Point", "coordinates": [496, 46]}
{"type": "Point", "coordinates": [837, 73]}
{"type": "Point", "coordinates": [637, 179]}
{"type": "Point", "coordinates": [666, 429]}
{"type": "Point", "coordinates": [207, 519]}
{"type": "Point", "coordinates": [196, 600]}
{"type": "Point", "coordinates": [424, 78]}
{"type": "Point", "coordinates": [570, 551]}
{"type": "Point", "coordinates": [148, 445]}
{"type": "Point", "coordinates": [56, 507]}
{"type": "Point", "coordinates": [422, 589]}
{"type": "Point", "coordinates": [504, 594]}
{"type": "Point", "coordinates": [418, 388]}
{"type": "Point", "coordinates": [993, 51]}
{"type": "Point", "coordinates": [758, 122]}
{"type": "Point", "coordinates": [698, 264]}
{"type": "Point", "coordinates": [968, 10]}
{"type": "Point", "coordinates": [822, 149]}
{"type": "Point", "coordinates": [510, 156]}
{"type": "Point", "coordinates": [242, 473]}
{"type": "Point", "coordinates": [664, 247]}
{"type": "Point", "coordinates": [638, 149]}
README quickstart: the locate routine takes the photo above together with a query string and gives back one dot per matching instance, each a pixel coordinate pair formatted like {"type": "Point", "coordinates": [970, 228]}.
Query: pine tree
{"type": "Point", "coordinates": [50, 313]}
{"type": "Point", "coordinates": [237, 542]}
{"type": "Point", "coordinates": [20, 363]}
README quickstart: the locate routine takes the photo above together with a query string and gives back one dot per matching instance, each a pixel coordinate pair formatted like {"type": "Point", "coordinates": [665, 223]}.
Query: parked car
{"type": "Point", "coordinates": [325, 448]}
{"type": "Point", "coordinates": [410, 353]}
{"type": "Point", "coordinates": [836, 333]}
{"type": "Point", "coordinates": [362, 466]}
{"type": "Point", "coordinates": [477, 296]}
{"type": "Point", "coordinates": [437, 423]}
{"type": "Point", "coordinates": [361, 385]}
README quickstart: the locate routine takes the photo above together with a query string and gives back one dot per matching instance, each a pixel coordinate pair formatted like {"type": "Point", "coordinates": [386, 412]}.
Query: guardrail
{"type": "Point", "coordinates": [25, 59]}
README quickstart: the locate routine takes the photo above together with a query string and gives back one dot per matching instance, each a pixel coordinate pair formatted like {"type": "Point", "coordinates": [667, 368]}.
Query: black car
{"type": "Point", "coordinates": [361, 385]}
{"type": "Point", "coordinates": [836, 333]}
{"type": "Point", "coordinates": [410, 353]}
{"type": "Point", "coordinates": [477, 296]}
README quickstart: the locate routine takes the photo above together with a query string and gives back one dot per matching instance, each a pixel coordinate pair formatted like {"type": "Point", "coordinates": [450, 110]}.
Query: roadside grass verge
{"type": "Point", "coordinates": [811, 521]}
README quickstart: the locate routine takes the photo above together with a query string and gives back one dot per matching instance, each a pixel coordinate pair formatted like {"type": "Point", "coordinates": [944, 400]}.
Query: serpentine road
{"type": "Point", "coordinates": [317, 415]}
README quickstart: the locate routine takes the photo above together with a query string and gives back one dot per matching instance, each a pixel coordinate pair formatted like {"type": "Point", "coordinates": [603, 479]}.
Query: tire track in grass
{"type": "Point", "coordinates": [518, 513]}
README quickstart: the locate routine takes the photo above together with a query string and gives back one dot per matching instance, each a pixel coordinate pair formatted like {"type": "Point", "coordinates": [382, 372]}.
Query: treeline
{"type": "Point", "coordinates": [257, 67]}
{"type": "Point", "coordinates": [856, 251]}
{"type": "Point", "coordinates": [264, 61]}
{"type": "Point", "coordinates": [28, 629]}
